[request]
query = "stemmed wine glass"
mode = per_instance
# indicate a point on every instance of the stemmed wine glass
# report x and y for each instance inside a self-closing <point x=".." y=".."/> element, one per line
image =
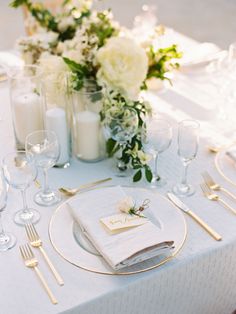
<point x="122" y="127"/>
<point x="158" y="139"/>
<point x="44" y="147"/>
<point x="188" y="138"/>
<point x="20" y="171"/>
<point x="7" y="240"/>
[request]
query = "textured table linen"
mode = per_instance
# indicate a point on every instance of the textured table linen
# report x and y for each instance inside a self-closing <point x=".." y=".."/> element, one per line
<point x="201" y="279"/>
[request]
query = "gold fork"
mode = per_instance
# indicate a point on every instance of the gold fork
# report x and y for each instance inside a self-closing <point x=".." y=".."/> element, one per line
<point x="31" y="262"/>
<point x="35" y="241"/>
<point x="215" y="186"/>
<point x="215" y="197"/>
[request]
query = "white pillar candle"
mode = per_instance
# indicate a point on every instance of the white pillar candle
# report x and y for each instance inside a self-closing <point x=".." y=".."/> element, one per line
<point x="88" y="132"/>
<point x="27" y="115"/>
<point x="56" y="121"/>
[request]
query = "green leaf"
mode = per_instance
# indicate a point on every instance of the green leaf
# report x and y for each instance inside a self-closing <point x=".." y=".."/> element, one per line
<point x="111" y="147"/>
<point x="75" y="67"/>
<point x="17" y="3"/>
<point x="148" y="174"/>
<point x="138" y="176"/>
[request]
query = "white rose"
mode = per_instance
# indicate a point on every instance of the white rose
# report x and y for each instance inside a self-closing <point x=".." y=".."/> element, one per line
<point x="125" y="204"/>
<point x="123" y="65"/>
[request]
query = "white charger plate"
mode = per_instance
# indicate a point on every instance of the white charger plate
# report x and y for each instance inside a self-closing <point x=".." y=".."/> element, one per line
<point x="197" y="58"/>
<point x="226" y="166"/>
<point x="68" y="241"/>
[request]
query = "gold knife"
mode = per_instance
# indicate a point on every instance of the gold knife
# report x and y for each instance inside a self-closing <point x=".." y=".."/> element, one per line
<point x="174" y="199"/>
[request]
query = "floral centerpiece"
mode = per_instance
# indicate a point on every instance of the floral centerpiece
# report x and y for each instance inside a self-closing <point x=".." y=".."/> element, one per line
<point x="91" y="45"/>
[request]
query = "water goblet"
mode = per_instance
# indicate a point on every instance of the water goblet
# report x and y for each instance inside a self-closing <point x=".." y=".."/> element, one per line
<point x="158" y="140"/>
<point x="188" y="138"/>
<point x="20" y="171"/>
<point x="7" y="240"/>
<point x="121" y="128"/>
<point x="44" y="147"/>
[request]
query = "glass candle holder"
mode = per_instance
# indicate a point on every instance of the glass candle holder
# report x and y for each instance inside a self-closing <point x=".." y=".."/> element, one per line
<point x="25" y="102"/>
<point x="88" y="140"/>
<point x="57" y="114"/>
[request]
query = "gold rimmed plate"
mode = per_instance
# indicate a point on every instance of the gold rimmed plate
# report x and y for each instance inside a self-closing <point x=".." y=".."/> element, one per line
<point x="225" y="166"/>
<point x="68" y="240"/>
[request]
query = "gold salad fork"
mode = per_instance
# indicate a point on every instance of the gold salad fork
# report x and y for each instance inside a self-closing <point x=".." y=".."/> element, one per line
<point x="215" y="186"/>
<point x="35" y="241"/>
<point x="31" y="262"/>
<point x="215" y="197"/>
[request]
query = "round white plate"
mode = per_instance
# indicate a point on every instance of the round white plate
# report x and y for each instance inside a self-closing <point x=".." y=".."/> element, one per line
<point x="67" y="240"/>
<point x="225" y="166"/>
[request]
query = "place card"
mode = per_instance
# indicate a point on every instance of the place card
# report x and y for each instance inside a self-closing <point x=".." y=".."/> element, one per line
<point x="121" y="222"/>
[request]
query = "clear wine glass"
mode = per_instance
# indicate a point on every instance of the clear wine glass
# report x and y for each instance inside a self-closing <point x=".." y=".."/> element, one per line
<point x="7" y="240"/>
<point x="159" y="137"/>
<point x="20" y="171"/>
<point x="188" y="138"/>
<point x="122" y="127"/>
<point x="44" y="146"/>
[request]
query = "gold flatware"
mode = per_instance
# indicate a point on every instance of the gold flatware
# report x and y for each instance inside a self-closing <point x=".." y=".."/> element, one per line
<point x="215" y="197"/>
<point x="215" y="186"/>
<point x="37" y="183"/>
<point x="175" y="200"/>
<point x="31" y="262"/>
<point x="36" y="242"/>
<point x="214" y="149"/>
<point x="71" y="192"/>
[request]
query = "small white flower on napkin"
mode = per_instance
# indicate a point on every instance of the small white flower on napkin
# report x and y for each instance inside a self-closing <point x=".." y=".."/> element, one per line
<point x="125" y="204"/>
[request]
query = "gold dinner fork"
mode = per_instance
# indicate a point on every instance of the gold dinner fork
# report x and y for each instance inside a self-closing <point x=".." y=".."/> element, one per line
<point x="35" y="241"/>
<point x="215" y="197"/>
<point x="215" y="186"/>
<point x="31" y="262"/>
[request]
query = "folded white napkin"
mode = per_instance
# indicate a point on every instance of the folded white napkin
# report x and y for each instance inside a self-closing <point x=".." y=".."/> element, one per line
<point x="121" y="249"/>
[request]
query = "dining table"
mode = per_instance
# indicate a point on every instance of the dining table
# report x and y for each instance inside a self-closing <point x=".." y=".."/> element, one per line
<point x="200" y="279"/>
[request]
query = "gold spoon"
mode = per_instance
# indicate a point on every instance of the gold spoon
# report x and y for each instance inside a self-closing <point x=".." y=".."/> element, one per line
<point x="71" y="192"/>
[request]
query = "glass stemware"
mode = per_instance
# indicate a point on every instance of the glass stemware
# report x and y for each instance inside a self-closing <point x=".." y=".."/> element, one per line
<point x="188" y="138"/>
<point x="20" y="171"/>
<point x="7" y="240"/>
<point x="44" y="146"/>
<point x="122" y="127"/>
<point x="159" y="137"/>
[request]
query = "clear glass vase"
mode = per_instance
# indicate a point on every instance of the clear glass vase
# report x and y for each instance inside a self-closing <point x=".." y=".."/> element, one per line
<point x="57" y="114"/>
<point x="88" y="141"/>
<point x="25" y="102"/>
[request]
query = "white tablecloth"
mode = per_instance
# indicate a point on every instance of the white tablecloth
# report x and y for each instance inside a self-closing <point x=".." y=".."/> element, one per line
<point x="201" y="279"/>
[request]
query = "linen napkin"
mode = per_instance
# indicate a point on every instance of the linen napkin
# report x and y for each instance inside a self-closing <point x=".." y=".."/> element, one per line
<point x="121" y="249"/>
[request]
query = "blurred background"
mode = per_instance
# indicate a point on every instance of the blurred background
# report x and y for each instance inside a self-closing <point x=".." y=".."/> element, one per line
<point x="204" y="20"/>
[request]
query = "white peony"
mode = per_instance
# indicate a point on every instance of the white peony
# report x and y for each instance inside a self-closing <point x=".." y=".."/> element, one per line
<point x="126" y="204"/>
<point x="123" y="65"/>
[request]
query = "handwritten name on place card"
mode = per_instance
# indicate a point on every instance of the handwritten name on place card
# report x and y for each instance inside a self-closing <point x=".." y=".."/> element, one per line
<point x="122" y="221"/>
